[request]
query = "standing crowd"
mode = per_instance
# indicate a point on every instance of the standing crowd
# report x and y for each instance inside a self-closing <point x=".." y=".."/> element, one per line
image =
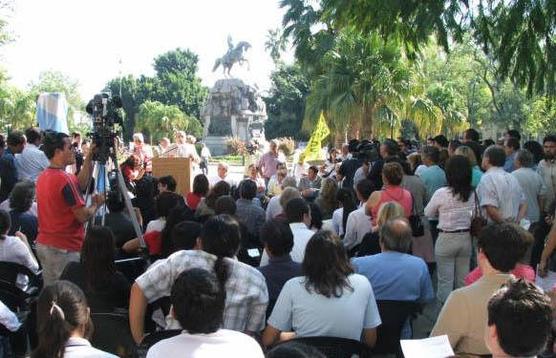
<point x="347" y="248"/>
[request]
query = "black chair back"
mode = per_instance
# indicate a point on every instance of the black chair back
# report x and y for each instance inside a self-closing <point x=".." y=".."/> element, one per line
<point x="335" y="347"/>
<point x="393" y="315"/>
<point x="11" y="295"/>
<point x="132" y="267"/>
<point x="112" y="334"/>
<point x="153" y="338"/>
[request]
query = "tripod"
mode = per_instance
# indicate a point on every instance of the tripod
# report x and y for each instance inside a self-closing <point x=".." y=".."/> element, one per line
<point x="104" y="185"/>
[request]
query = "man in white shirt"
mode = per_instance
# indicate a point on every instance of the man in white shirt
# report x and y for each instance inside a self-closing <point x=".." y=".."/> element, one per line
<point x="198" y="303"/>
<point x="274" y="207"/>
<point x="499" y="192"/>
<point x="299" y="217"/>
<point x="359" y="221"/>
<point x="222" y="175"/>
<point x="32" y="161"/>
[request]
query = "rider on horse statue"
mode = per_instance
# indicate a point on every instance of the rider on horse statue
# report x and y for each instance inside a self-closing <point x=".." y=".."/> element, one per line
<point x="233" y="56"/>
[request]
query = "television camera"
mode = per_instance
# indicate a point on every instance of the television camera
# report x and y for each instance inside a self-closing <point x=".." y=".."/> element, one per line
<point x="105" y="111"/>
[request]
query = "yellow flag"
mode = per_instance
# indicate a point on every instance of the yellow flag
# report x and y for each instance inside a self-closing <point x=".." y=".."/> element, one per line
<point x="312" y="152"/>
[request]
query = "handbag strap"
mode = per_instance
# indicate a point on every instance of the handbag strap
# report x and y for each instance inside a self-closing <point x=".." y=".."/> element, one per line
<point x="478" y="212"/>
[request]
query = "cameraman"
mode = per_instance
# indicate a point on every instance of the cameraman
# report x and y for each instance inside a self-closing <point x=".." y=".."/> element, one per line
<point x="61" y="207"/>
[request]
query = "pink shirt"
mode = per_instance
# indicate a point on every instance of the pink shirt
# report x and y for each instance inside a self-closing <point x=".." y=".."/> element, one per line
<point x="523" y="271"/>
<point x="268" y="163"/>
<point x="396" y="194"/>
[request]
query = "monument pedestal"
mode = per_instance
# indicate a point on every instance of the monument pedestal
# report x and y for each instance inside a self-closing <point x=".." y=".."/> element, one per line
<point x="217" y="145"/>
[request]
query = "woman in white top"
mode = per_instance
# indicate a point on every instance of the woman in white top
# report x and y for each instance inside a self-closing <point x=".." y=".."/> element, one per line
<point x="16" y="249"/>
<point x="454" y="206"/>
<point x="64" y="324"/>
<point x="330" y="300"/>
<point x="346" y="200"/>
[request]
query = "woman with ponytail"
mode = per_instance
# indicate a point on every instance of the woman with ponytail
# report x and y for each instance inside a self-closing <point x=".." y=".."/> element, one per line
<point x="245" y="287"/>
<point x="64" y="324"/>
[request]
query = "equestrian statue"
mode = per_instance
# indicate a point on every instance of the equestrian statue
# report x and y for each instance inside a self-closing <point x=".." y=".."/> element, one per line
<point x="233" y="56"/>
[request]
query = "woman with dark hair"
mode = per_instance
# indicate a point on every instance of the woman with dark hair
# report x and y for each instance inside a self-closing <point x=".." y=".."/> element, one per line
<point x="392" y="176"/>
<point x="64" y="323"/>
<point x="96" y="274"/>
<point x="131" y="169"/>
<point x="454" y="206"/>
<point x="536" y="149"/>
<point x="21" y="200"/>
<point x="185" y="235"/>
<point x="329" y="300"/>
<point x="246" y="292"/>
<point x="347" y="204"/>
<point x="316" y="217"/>
<point x="205" y="209"/>
<point x="165" y="203"/>
<point x="177" y="215"/>
<point x="200" y="190"/>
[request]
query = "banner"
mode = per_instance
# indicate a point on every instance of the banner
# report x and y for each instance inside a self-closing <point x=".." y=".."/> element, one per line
<point x="313" y="150"/>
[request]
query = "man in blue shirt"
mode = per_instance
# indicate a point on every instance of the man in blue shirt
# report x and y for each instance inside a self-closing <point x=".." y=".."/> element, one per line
<point x="394" y="274"/>
<point x="8" y="170"/>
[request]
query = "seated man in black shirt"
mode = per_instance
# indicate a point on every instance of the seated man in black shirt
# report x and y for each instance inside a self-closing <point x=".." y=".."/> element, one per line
<point x="278" y="243"/>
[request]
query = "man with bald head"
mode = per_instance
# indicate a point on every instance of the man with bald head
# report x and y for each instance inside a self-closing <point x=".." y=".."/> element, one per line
<point x="394" y="274"/>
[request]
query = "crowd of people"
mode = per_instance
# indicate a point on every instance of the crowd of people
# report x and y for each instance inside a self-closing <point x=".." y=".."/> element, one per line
<point x="244" y="267"/>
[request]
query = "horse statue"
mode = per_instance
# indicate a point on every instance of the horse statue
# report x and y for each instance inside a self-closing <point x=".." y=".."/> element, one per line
<point x="233" y="56"/>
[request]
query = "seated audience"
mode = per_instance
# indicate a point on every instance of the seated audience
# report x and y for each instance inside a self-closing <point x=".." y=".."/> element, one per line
<point x="310" y="185"/>
<point x="370" y="245"/>
<point x="275" y="184"/>
<point x="21" y="199"/>
<point x="248" y="211"/>
<point x="293" y="349"/>
<point x="329" y="300"/>
<point x="359" y="221"/>
<point x="132" y="170"/>
<point x="205" y="209"/>
<point x="519" y="320"/>
<point x="253" y="174"/>
<point x="200" y="190"/>
<point x="277" y="238"/>
<point x="246" y="292"/>
<point x="394" y="274"/>
<point x="64" y="323"/>
<point x="464" y="315"/>
<point x="8" y="168"/>
<point x="165" y="202"/>
<point x="145" y="192"/>
<point x="316" y="217"/>
<point x="326" y="199"/>
<point x="346" y="201"/>
<point x="299" y="218"/>
<point x="222" y="171"/>
<point x="119" y="222"/>
<point x="176" y="216"/>
<point x="198" y="304"/>
<point x="273" y="207"/>
<point x="16" y="249"/>
<point x="96" y="274"/>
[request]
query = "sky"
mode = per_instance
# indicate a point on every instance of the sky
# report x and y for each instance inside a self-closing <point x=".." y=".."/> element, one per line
<point x="94" y="41"/>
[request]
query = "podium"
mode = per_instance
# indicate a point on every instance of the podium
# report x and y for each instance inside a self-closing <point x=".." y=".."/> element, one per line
<point x="179" y="168"/>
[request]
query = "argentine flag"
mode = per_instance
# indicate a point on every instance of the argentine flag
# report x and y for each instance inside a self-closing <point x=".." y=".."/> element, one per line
<point x="52" y="112"/>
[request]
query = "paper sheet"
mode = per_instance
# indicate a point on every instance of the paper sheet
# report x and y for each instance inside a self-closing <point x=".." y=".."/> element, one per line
<point x="434" y="347"/>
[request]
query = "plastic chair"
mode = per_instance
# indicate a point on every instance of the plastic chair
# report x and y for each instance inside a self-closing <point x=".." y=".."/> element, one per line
<point x="393" y="315"/>
<point x="153" y="338"/>
<point x="335" y="347"/>
<point x="112" y="334"/>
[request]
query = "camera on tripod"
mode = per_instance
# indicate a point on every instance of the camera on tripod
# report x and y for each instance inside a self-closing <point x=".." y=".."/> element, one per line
<point x="105" y="112"/>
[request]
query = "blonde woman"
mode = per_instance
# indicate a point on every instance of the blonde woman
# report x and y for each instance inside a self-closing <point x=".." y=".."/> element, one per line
<point x="326" y="200"/>
<point x="476" y="172"/>
<point x="370" y="244"/>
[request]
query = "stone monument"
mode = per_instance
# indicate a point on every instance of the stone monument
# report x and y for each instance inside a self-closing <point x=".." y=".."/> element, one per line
<point x="233" y="108"/>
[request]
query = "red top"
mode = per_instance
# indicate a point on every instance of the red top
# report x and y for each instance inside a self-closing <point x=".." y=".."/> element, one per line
<point x="523" y="271"/>
<point x="153" y="240"/>
<point x="396" y="194"/>
<point x="193" y="200"/>
<point x="58" y="194"/>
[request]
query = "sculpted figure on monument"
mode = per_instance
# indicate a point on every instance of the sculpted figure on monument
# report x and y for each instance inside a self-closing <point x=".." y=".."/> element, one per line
<point x="234" y="55"/>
